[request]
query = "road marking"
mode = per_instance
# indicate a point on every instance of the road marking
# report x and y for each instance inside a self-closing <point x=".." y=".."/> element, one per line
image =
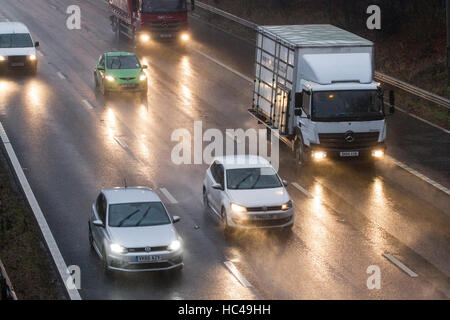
<point x="421" y="119"/>
<point x="45" y="229"/>
<point x="223" y="65"/>
<point x="399" y="264"/>
<point x="419" y="175"/>
<point x="235" y="272"/>
<point x="63" y="77"/>
<point x="121" y="142"/>
<point x="306" y="192"/>
<point x="167" y="194"/>
<point x="88" y="104"/>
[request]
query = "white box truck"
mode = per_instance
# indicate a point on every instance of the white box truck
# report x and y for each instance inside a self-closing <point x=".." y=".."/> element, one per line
<point x="314" y="85"/>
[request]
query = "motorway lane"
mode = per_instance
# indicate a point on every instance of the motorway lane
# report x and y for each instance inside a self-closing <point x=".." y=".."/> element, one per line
<point x="335" y="238"/>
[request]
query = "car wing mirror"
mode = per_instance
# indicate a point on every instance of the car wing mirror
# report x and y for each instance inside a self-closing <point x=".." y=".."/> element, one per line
<point x="285" y="183"/>
<point x="100" y="68"/>
<point x="176" y="219"/>
<point x="98" y="223"/>
<point x="36" y="44"/>
<point x="217" y="186"/>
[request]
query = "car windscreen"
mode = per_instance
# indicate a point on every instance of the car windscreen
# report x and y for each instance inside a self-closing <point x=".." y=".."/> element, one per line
<point x="163" y="5"/>
<point x="252" y="178"/>
<point x="122" y="62"/>
<point x="347" y="105"/>
<point x="142" y="214"/>
<point x="16" y="40"/>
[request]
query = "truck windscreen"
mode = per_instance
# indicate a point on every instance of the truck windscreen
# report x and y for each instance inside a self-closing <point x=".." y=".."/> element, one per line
<point x="149" y="6"/>
<point x="351" y="105"/>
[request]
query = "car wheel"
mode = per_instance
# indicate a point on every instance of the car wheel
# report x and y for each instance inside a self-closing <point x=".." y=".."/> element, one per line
<point x="91" y="238"/>
<point x="205" y="200"/>
<point x="106" y="269"/>
<point x="227" y="229"/>
<point x="96" y="81"/>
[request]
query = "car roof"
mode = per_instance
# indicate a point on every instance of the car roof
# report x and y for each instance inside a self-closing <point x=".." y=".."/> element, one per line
<point x="119" y="53"/>
<point x="243" y="161"/>
<point x="13" y="27"/>
<point x="130" y="195"/>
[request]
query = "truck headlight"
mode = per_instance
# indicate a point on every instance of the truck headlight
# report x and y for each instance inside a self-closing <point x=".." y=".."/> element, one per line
<point x="117" y="248"/>
<point x="143" y="77"/>
<point x="185" y="36"/>
<point x="287" y="205"/>
<point x="174" y="245"/>
<point x="144" y="37"/>
<point x="319" y="155"/>
<point x="378" y="153"/>
<point x="110" y="78"/>
<point x="2" y="58"/>
<point x="32" y="57"/>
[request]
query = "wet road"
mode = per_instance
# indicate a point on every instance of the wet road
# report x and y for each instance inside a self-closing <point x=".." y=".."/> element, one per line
<point x="72" y="143"/>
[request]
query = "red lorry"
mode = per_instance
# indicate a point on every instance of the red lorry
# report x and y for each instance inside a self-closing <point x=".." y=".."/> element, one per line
<point x="150" y="20"/>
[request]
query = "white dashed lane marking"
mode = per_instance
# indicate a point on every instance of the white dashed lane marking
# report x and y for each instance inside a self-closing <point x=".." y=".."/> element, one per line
<point x="235" y="272"/>
<point x="122" y="143"/>
<point x="168" y="195"/>
<point x="88" y="104"/>
<point x="399" y="264"/>
<point x="61" y="76"/>
<point x="303" y="190"/>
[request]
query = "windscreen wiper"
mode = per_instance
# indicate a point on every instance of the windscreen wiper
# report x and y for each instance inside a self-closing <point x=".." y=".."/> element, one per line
<point x="246" y="177"/>
<point x="127" y="217"/>
<point x="144" y="215"/>
<point x="257" y="179"/>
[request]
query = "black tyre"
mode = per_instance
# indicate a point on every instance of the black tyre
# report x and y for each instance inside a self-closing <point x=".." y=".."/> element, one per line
<point x="91" y="238"/>
<point x="97" y="85"/>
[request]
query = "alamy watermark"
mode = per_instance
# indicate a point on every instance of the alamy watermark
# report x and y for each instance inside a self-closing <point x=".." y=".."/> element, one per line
<point x="374" y="280"/>
<point x="374" y="20"/>
<point x="73" y="22"/>
<point x="190" y="149"/>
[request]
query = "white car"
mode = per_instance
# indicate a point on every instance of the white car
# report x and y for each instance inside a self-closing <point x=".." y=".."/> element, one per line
<point x="17" y="49"/>
<point x="246" y="192"/>
<point x="130" y="230"/>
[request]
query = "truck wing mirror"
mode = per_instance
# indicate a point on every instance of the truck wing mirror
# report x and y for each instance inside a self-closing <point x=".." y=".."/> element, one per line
<point x="36" y="44"/>
<point x="144" y="66"/>
<point x="192" y="5"/>
<point x="100" y="68"/>
<point x="391" y="102"/>
<point x="298" y="99"/>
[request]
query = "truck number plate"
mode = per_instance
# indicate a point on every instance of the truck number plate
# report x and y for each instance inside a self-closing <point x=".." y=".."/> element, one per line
<point x="168" y="35"/>
<point x="349" y="154"/>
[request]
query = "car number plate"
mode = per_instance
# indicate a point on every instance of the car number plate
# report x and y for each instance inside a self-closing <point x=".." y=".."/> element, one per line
<point x="148" y="258"/>
<point x="266" y="216"/>
<point x="17" y="64"/>
<point x="167" y="35"/>
<point x="128" y="85"/>
<point x="349" y="154"/>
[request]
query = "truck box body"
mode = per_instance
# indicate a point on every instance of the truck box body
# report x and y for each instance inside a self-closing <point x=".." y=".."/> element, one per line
<point x="319" y="53"/>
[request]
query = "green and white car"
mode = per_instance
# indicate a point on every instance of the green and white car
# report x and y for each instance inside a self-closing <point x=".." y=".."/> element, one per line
<point x="120" y="72"/>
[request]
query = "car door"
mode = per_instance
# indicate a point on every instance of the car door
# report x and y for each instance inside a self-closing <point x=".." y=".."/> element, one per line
<point x="216" y="194"/>
<point x="100" y="73"/>
<point x="98" y="233"/>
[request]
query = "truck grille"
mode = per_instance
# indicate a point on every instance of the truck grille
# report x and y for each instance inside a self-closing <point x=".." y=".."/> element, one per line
<point x="342" y="140"/>
<point x="17" y="59"/>
<point x="165" y="27"/>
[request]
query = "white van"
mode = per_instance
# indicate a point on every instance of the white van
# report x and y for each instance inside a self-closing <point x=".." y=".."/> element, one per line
<point x="17" y="49"/>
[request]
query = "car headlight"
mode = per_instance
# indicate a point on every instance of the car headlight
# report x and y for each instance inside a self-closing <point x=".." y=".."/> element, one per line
<point x="185" y="36"/>
<point x="175" y="245"/>
<point x="143" y="77"/>
<point x="378" y="153"/>
<point x="117" y="248"/>
<point x="237" y="208"/>
<point x="32" y="57"/>
<point x="2" y="58"/>
<point x="110" y="78"/>
<point x="144" y="37"/>
<point x="287" y="205"/>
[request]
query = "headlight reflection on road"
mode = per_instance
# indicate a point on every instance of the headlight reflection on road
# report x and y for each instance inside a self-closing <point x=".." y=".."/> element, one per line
<point x="110" y="123"/>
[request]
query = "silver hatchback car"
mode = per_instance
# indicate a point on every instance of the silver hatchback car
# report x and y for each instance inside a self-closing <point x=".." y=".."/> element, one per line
<point x="131" y="231"/>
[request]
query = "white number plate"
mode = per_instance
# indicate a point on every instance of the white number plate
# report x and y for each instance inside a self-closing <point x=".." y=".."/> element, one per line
<point x="148" y="258"/>
<point x="165" y="35"/>
<point x="17" y="64"/>
<point x="349" y="154"/>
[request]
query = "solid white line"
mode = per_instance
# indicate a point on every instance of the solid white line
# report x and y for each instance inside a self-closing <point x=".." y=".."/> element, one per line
<point x="45" y="229"/>
<point x="122" y="143"/>
<point x="232" y="268"/>
<point x="399" y="264"/>
<point x="306" y="192"/>
<point x="88" y="104"/>
<point x="223" y="65"/>
<point x="61" y="75"/>
<point x="419" y="175"/>
<point x="168" y="195"/>
<point x="421" y="119"/>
